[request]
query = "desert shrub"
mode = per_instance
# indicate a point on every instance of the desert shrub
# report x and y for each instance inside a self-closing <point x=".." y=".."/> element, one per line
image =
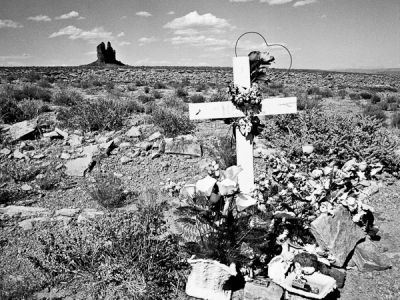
<point x="9" y="196"/>
<point x="200" y="87"/>
<point x="365" y="95"/>
<point x="31" y="92"/>
<point x="140" y="82"/>
<point x="219" y="96"/>
<point x="276" y="85"/>
<point x="325" y="93"/>
<point x="33" y="76"/>
<point x="149" y="107"/>
<point x="67" y="97"/>
<point x="85" y="84"/>
<point x="197" y="99"/>
<point x="342" y="93"/>
<point x="146" y="89"/>
<point x="157" y="95"/>
<point x="313" y="90"/>
<point x="375" y="99"/>
<point x="109" y="85"/>
<point x="108" y="191"/>
<point x="118" y="256"/>
<point x="305" y="103"/>
<point x="145" y="98"/>
<point x="181" y="93"/>
<point x="31" y="108"/>
<point x="97" y="82"/>
<point x="10" y="112"/>
<point x="354" y="96"/>
<point x="159" y="85"/>
<point x="383" y="105"/>
<point x="10" y="78"/>
<point x="134" y="106"/>
<point x="393" y="106"/>
<point x="131" y="87"/>
<point x="376" y="111"/>
<point x="395" y="121"/>
<point x="44" y="83"/>
<point x="21" y="173"/>
<point x="49" y="181"/>
<point x="177" y="103"/>
<point x="102" y="114"/>
<point x="393" y="99"/>
<point x="336" y="138"/>
<point x="172" y="121"/>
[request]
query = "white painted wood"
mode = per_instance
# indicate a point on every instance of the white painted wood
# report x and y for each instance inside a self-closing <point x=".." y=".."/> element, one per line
<point x="226" y="109"/>
<point x="241" y="71"/>
<point x="221" y="110"/>
<point x="244" y="156"/>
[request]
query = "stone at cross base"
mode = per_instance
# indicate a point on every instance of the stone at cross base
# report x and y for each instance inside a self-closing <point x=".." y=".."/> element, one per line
<point x="106" y="55"/>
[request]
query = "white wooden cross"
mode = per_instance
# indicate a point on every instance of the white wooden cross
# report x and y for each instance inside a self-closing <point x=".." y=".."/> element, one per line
<point x="221" y="110"/>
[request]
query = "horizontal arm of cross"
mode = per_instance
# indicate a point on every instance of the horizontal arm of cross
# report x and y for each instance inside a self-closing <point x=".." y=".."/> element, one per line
<point x="226" y="109"/>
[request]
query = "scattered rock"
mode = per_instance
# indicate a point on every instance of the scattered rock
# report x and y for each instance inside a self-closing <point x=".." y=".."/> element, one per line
<point x="22" y="130"/>
<point x="134" y="132"/>
<point x="337" y="233"/>
<point x="67" y="212"/>
<point x="65" y="155"/>
<point x="75" y="140"/>
<point x="155" y="136"/>
<point x="88" y="214"/>
<point x="23" y="211"/>
<point x="155" y="155"/>
<point x="18" y="155"/>
<point x="184" y="144"/>
<point x="61" y="133"/>
<point x="26" y="187"/>
<point x="5" y="151"/>
<point x="124" y="160"/>
<point x="209" y="280"/>
<point x="367" y="257"/>
<point x="146" y="146"/>
<point x="124" y="145"/>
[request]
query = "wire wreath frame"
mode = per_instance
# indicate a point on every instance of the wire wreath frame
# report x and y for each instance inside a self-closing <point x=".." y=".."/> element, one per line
<point x="268" y="45"/>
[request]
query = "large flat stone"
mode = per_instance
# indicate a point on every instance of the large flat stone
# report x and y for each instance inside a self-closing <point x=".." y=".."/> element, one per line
<point x="134" y="131"/>
<point x="338" y="234"/>
<point x="22" y="130"/>
<point x="78" y="166"/>
<point x="262" y="290"/>
<point x="23" y="211"/>
<point x="367" y="257"/>
<point x="184" y="144"/>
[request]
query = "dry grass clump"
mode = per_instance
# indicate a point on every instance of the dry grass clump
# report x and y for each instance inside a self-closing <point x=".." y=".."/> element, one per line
<point x="102" y="114"/>
<point x="108" y="191"/>
<point x="172" y="120"/>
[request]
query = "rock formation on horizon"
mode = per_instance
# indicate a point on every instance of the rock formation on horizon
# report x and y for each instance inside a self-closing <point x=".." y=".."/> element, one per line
<point x="106" y="55"/>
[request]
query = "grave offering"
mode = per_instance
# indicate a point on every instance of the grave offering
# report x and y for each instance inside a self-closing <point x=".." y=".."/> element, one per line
<point x="295" y="228"/>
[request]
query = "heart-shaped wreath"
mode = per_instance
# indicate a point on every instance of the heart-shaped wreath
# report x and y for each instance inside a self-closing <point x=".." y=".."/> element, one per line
<point x="249" y="100"/>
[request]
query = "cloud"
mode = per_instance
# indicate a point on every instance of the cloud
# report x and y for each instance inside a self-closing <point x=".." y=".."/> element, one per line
<point x="70" y="15"/>
<point x="324" y="16"/>
<point x="171" y="12"/>
<point x="124" y="43"/>
<point x="40" y="18"/>
<point x="123" y="17"/>
<point x="146" y="40"/>
<point x="276" y="2"/>
<point x="9" y="24"/>
<point x="199" y="41"/>
<point x="149" y="62"/>
<point x="304" y="2"/>
<point x="75" y="33"/>
<point x="193" y="19"/>
<point x="17" y="57"/>
<point x="143" y="14"/>
<point x="121" y="34"/>
<point x="240" y="0"/>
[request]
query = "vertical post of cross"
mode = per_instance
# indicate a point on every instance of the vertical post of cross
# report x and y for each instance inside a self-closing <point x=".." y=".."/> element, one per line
<point x="244" y="147"/>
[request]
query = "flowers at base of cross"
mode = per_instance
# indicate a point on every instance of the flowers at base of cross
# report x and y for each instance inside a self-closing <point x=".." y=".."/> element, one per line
<point x="172" y="188"/>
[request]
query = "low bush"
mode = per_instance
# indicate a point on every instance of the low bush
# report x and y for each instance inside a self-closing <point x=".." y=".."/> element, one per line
<point x="219" y="96"/>
<point x="118" y="256"/>
<point x="101" y="114"/>
<point x="10" y="112"/>
<point x="140" y="82"/>
<point x="32" y="108"/>
<point x="44" y="83"/>
<point x="395" y="121"/>
<point x="365" y="95"/>
<point x="375" y="99"/>
<point x="157" y="95"/>
<point x="197" y="99"/>
<point x="31" y="92"/>
<point x="67" y="97"/>
<point x="200" y="87"/>
<point x="22" y="173"/>
<point x="342" y="93"/>
<point x="376" y="111"/>
<point x="304" y="102"/>
<point x="172" y="121"/>
<point x="33" y="76"/>
<point x="146" y="89"/>
<point x="393" y="99"/>
<point x="49" y="181"/>
<point x="108" y="191"/>
<point x="134" y="106"/>
<point x="354" y="96"/>
<point x="181" y="93"/>
<point x="159" y="85"/>
<point x="177" y="103"/>
<point x="145" y="98"/>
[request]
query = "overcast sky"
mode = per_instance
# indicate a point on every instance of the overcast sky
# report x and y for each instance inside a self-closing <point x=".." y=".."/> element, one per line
<point x="326" y="34"/>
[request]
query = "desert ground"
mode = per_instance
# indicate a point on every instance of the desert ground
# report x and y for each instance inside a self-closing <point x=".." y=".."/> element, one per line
<point x="91" y="182"/>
